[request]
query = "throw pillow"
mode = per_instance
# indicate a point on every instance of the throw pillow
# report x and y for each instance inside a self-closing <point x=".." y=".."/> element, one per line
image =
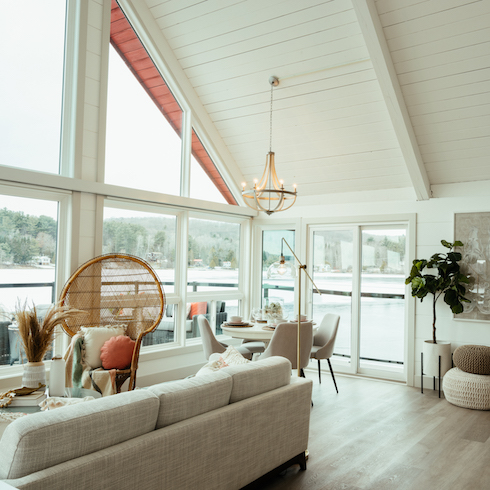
<point x="94" y="338"/>
<point x="198" y="309"/>
<point x="117" y="352"/>
<point x="230" y="357"/>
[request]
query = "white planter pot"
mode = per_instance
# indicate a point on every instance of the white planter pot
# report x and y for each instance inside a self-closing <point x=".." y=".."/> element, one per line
<point x="432" y="352"/>
<point x="34" y="373"/>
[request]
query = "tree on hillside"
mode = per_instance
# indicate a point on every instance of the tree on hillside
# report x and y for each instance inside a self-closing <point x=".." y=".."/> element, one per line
<point x="23" y="249"/>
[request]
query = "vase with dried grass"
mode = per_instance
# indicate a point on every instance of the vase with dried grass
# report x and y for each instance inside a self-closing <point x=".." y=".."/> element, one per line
<point x="37" y="337"/>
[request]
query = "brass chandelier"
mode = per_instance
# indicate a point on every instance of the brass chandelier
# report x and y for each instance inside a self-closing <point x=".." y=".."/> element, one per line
<point x="268" y="194"/>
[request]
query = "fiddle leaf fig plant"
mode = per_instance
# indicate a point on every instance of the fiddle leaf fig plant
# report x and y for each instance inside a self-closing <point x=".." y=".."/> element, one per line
<point x="445" y="279"/>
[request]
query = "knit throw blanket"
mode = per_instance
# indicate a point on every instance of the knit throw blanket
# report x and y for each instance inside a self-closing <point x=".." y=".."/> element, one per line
<point x="79" y="375"/>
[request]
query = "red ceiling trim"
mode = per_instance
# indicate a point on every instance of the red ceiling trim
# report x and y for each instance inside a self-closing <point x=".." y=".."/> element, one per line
<point x="127" y="44"/>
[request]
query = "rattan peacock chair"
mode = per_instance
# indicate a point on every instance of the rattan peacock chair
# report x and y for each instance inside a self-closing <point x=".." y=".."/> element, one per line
<point x="115" y="289"/>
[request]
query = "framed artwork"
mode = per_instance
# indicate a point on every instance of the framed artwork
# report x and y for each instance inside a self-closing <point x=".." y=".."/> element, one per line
<point x="473" y="229"/>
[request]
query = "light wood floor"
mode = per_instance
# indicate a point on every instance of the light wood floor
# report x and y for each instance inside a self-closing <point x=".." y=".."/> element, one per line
<point x="379" y="435"/>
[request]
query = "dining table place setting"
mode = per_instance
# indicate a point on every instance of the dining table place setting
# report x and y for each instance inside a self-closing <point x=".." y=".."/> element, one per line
<point x="237" y="321"/>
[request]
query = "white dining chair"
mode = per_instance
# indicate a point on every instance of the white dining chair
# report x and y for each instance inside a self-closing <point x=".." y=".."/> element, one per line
<point x="211" y="345"/>
<point x="284" y="343"/>
<point x="324" y="341"/>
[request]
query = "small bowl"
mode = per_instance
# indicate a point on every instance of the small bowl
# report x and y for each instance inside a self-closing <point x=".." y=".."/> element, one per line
<point x="302" y="318"/>
<point x="235" y="319"/>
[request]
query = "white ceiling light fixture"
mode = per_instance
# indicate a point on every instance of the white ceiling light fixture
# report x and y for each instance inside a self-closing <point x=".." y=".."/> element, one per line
<point x="269" y="194"/>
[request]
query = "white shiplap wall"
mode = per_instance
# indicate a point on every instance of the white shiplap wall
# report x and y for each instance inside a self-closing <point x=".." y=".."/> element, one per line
<point x="435" y="221"/>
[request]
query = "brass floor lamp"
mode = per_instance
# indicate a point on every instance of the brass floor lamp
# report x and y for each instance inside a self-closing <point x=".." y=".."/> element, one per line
<point x="282" y="262"/>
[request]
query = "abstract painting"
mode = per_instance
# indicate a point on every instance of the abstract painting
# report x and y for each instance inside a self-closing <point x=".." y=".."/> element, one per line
<point x="473" y="229"/>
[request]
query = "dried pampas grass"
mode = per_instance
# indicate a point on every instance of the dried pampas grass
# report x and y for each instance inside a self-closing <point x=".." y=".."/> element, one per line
<point x="37" y="337"/>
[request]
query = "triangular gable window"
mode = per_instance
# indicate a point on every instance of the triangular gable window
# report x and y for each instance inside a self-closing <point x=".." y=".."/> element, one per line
<point x="126" y="156"/>
<point x="202" y="167"/>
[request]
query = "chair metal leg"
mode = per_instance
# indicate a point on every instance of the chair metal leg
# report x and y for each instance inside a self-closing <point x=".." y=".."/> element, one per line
<point x="319" y="372"/>
<point x="333" y="377"/>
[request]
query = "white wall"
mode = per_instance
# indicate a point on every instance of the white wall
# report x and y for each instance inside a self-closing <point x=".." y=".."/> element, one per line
<point x="435" y="222"/>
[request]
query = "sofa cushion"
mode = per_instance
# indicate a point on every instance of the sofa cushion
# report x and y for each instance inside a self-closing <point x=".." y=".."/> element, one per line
<point x="45" y="439"/>
<point x="258" y="377"/>
<point x="180" y="400"/>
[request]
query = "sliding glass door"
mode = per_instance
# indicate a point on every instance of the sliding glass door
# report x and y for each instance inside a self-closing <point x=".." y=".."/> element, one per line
<point x="360" y="271"/>
<point x="382" y="311"/>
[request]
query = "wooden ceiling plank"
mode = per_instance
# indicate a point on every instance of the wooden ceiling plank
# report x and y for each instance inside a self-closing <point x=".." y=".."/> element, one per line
<point x="383" y="65"/>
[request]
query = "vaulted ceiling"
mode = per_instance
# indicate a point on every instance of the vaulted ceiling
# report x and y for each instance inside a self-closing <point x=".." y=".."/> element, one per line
<point x="372" y="95"/>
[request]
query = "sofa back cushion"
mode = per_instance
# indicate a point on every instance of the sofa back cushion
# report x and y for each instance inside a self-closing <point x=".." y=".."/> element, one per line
<point x="255" y="378"/>
<point x="180" y="400"/>
<point x="45" y="439"/>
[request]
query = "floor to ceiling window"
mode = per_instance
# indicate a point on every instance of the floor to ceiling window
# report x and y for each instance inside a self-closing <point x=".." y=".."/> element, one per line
<point x="360" y="271"/>
<point x="28" y="263"/>
<point x="278" y="284"/>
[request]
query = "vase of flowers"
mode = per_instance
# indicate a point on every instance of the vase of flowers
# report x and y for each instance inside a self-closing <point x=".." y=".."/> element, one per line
<point x="273" y="312"/>
<point x="37" y="337"/>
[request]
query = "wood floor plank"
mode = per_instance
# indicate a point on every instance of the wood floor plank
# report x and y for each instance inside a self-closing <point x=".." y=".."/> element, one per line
<point x="379" y="435"/>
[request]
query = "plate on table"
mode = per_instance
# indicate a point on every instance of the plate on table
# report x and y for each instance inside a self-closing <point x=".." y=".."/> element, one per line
<point x="240" y="324"/>
<point x="302" y="321"/>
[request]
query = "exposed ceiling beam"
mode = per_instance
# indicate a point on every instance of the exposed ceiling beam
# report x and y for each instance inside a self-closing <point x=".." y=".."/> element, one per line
<point x="379" y="52"/>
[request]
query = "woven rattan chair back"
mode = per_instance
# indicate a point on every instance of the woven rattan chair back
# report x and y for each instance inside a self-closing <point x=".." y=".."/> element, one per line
<point x="116" y="289"/>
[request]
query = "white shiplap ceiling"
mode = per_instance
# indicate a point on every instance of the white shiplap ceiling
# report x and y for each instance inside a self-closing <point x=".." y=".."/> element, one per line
<point x="341" y="122"/>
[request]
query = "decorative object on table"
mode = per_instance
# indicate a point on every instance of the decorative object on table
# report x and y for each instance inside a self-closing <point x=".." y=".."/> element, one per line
<point x="269" y="195"/>
<point x="473" y="229"/>
<point x="301" y="268"/>
<point x="7" y="397"/>
<point x="237" y="325"/>
<point x="57" y="377"/>
<point x="447" y="281"/>
<point x="273" y="311"/>
<point x="117" y="290"/>
<point x="324" y="341"/>
<point x="37" y="336"/>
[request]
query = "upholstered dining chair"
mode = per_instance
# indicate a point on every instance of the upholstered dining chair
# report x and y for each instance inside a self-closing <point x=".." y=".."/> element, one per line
<point x="323" y="342"/>
<point x="284" y="341"/>
<point x="211" y="345"/>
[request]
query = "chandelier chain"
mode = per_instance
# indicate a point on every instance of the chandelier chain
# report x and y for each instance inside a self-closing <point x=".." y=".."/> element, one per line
<point x="270" y="134"/>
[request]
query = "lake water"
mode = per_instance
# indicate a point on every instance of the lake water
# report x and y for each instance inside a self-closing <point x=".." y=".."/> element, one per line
<point x="382" y="319"/>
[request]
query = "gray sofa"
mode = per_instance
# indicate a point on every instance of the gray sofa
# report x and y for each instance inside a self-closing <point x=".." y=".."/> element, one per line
<point x="216" y="431"/>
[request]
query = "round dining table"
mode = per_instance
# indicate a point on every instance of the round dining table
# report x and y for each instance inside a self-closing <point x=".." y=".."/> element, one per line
<point x="256" y="331"/>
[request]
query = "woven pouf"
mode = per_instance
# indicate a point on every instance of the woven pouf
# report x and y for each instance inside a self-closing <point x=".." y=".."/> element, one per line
<point x="473" y="359"/>
<point x="467" y="390"/>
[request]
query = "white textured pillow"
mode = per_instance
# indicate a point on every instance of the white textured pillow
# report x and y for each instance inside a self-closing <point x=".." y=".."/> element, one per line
<point x="94" y="338"/>
<point x="230" y="357"/>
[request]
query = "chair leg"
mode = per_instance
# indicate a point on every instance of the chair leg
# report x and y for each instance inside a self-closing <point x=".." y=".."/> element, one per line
<point x="333" y="377"/>
<point x="319" y="372"/>
<point x="302" y="373"/>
